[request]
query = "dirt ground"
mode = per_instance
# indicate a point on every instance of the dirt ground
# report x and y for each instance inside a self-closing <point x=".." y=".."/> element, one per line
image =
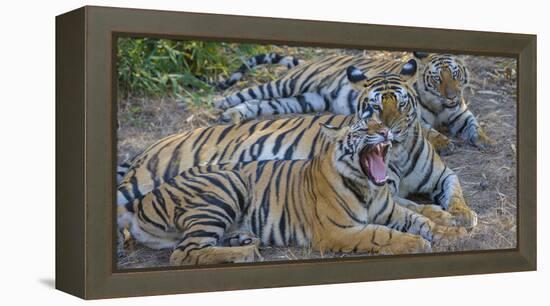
<point x="488" y="178"/>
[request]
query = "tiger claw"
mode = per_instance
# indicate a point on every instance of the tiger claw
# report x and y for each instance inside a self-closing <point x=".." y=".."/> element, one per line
<point x="446" y="236"/>
<point x="482" y="141"/>
<point x="442" y="144"/>
<point x="448" y="150"/>
<point x="464" y="216"/>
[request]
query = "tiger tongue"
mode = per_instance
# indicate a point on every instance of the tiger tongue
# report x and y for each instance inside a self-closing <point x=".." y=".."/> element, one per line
<point x="377" y="167"/>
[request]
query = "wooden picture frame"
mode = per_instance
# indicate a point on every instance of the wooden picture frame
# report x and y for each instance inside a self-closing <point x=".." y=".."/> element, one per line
<point x="86" y="152"/>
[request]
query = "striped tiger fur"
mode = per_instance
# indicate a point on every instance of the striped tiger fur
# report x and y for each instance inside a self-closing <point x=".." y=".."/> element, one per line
<point x="321" y="85"/>
<point x="441" y="87"/>
<point x="121" y="170"/>
<point x="337" y="201"/>
<point x="415" y="167"/>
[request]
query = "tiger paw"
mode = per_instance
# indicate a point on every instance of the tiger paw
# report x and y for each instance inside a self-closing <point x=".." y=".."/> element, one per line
<point x="442" y="144"/>
<point x="240" y="238"/>
<point x="448" y="150"/>
<point x="437" y="215"/>
<point x="129" y="244"/>
<point x="249" y="253"/>
<point x="446" y="236"/>
<point x="482" y="141"/>
<point x="407" y="244"/>
<point x="464" y="216"/>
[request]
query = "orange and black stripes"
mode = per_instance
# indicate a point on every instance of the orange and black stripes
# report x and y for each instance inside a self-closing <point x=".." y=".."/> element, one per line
<point x="321" y="85"/>
<point x="440" y="87"/>
<point x="310" y="87"/>
<point x="291" y="138"/>
<point x="318" y="203"/>
<point x="414" y="166"/>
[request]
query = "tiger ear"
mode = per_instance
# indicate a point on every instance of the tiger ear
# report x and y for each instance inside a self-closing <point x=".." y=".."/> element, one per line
<point x="422" y="56"/>
<point x="333" y="133"/>
<point x="356" y="78"/>
<point x="408" y="71"/>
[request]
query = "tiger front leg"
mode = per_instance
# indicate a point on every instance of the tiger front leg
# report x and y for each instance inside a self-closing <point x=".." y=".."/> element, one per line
<point x="462" y="212"/>
<point x="406" y="220"/>
<point x="376" y="239"/>
<point x="433" y="212"/>
<point x="465" y="125"/>
<point x="449" y="196"/>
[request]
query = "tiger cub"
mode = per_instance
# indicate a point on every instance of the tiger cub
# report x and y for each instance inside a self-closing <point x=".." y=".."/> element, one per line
<point x="414" y="165"/>
<point x="321" y="85"/>
<point x="338" y="201"/>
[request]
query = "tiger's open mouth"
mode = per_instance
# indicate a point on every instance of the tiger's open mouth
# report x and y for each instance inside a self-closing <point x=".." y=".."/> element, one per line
<point x="373" y="162"/>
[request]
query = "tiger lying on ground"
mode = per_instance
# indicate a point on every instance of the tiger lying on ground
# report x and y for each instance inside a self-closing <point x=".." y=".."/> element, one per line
<point x="321" y="85"/>
<point x="338" y="201"/>
<point x="414" y="166"/>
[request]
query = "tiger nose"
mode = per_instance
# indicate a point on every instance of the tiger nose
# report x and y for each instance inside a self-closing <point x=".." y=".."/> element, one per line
<point x="451" y="96"/>
<point x="384" y="132"/>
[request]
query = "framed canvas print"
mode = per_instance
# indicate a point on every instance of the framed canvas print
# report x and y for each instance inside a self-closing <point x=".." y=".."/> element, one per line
<point x="200" y="152"/>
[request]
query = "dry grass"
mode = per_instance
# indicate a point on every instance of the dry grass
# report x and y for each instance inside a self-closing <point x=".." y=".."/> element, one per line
<point x="488" y="178"/>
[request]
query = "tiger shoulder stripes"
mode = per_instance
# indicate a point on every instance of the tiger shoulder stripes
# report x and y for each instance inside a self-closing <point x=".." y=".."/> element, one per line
<point x="321" y="85"/>
<point x="337" y="201"/>
<point x="414" y="165"/>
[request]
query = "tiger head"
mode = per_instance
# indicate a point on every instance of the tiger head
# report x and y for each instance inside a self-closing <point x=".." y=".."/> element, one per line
<point x="442" y="81"/>
<point x="388" y="98"/>
<point x="361" y="150"/>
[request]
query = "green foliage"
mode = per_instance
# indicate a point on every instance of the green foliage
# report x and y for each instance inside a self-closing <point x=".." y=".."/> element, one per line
<point x="154" y="67"/>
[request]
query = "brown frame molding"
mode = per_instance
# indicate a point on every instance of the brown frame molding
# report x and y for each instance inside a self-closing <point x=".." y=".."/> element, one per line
<point x="86" y="144"/>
